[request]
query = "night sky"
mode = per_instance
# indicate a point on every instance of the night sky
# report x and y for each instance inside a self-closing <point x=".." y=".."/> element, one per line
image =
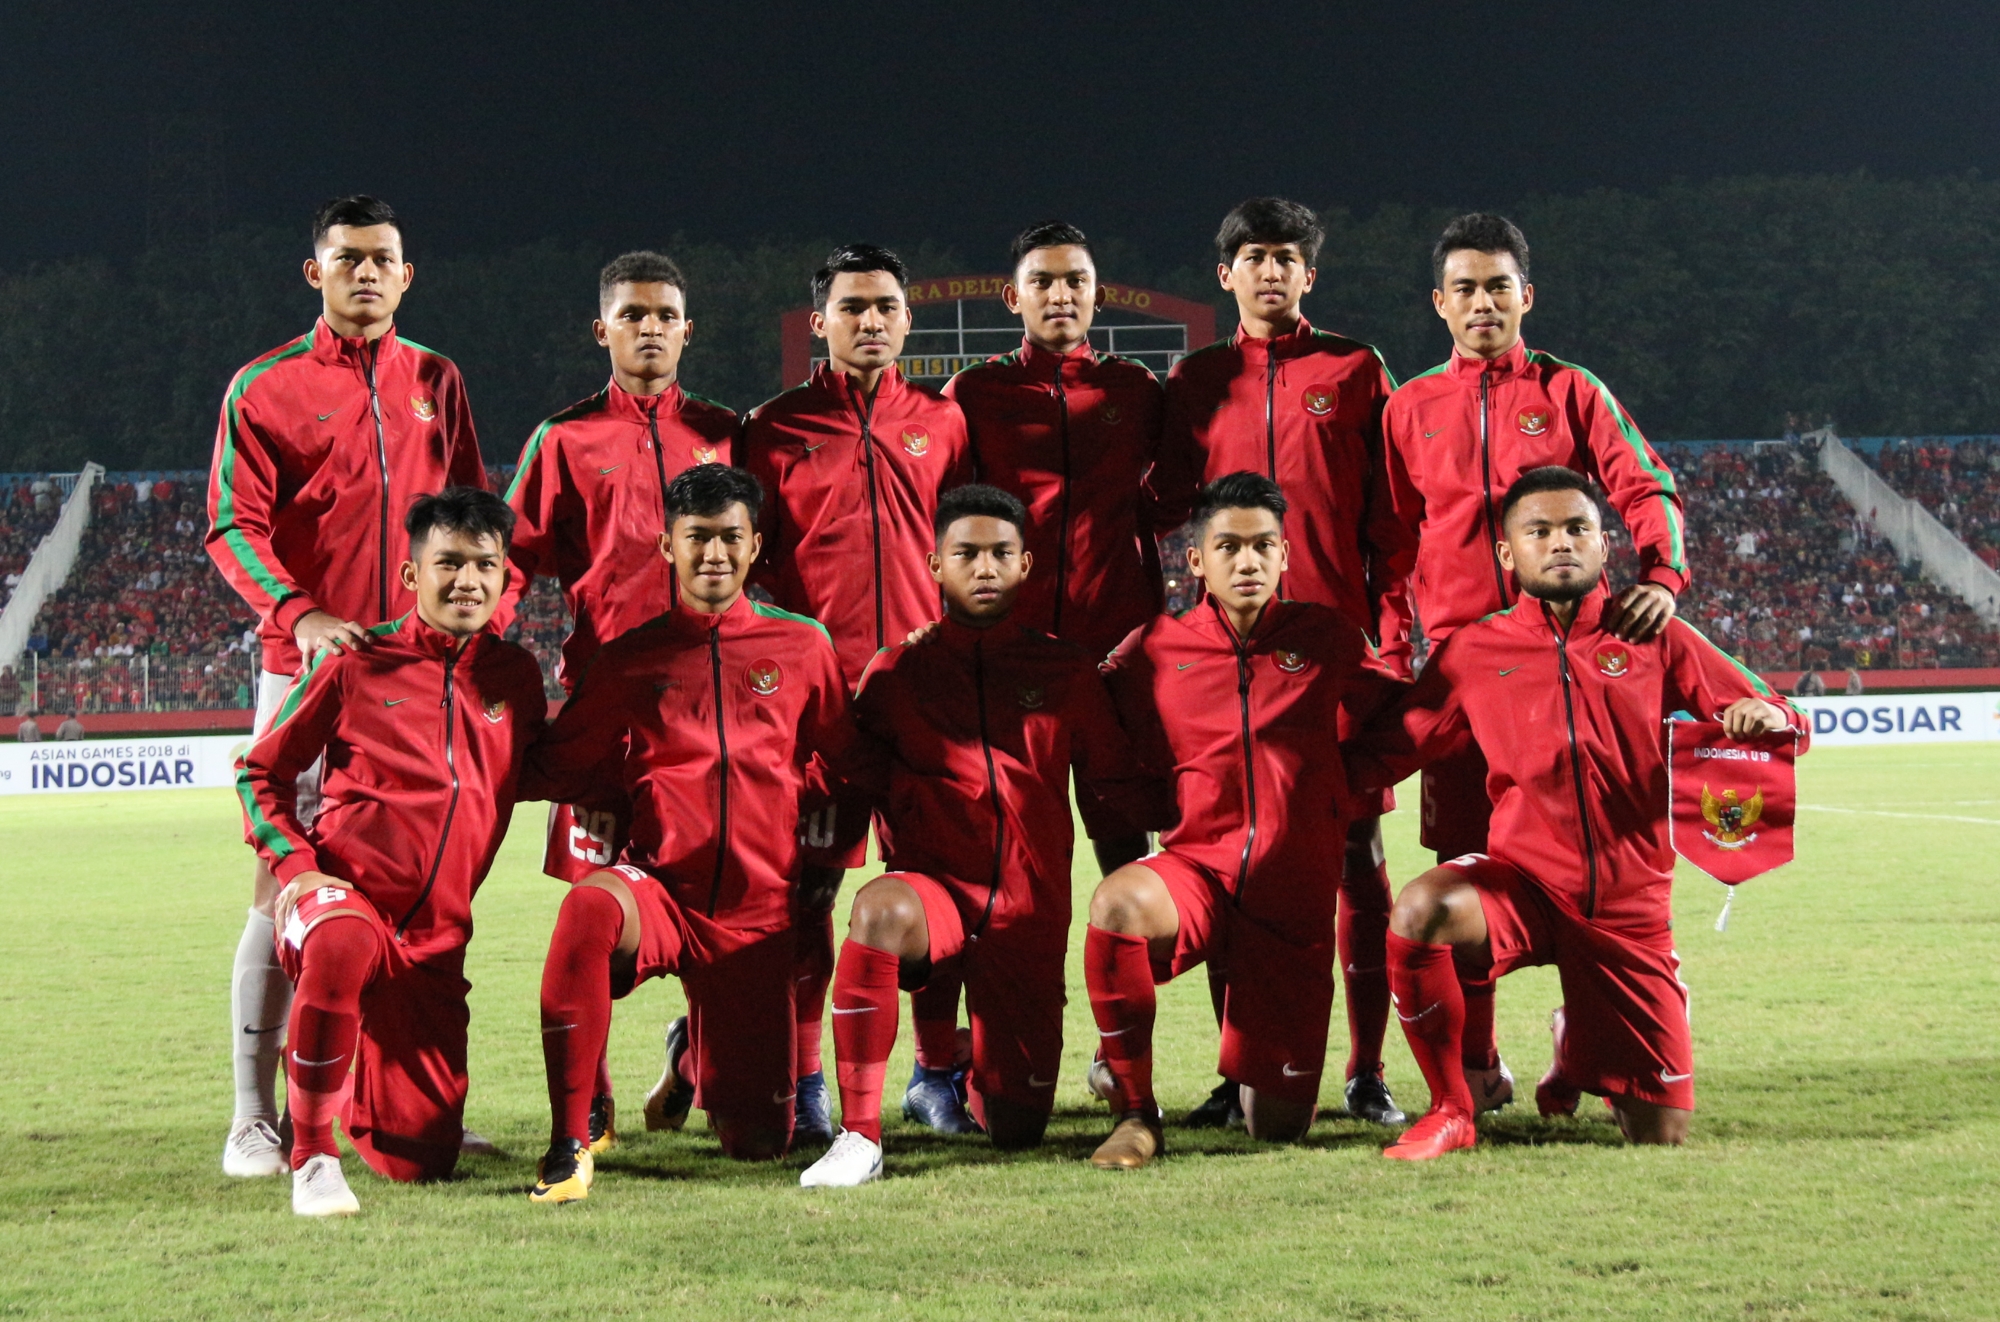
<point x="491" y="124"/>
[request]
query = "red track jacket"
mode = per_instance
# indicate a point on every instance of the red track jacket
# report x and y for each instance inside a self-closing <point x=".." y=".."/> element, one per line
<point x="590" y="494"/>
<point x="423" y="742"/>
<point x="850" y="487"/>
<point x="1458" y="436"/>
<point x="1304" y="409"/>
<point x="322" y="446"/>
<point x="966" y="746"/>
<point x="1073" y="436"/>
<point x="726" y="715"/>
<point x="1572" y="727"/>
<point x="1244" y="728"/>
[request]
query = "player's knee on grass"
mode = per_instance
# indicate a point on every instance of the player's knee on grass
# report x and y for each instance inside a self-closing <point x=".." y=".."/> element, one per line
<point x="887" y="915"/>
<point x="1439" y="908"/>
<point x="1013" y="1127"/>
<point x="1133" y="901"/>
<point x="748" y="1141"/>
<point x="1276" y="1119"/>
<point x="1649" y="1122"/>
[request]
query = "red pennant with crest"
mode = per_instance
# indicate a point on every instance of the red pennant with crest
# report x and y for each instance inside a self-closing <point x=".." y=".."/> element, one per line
<point x="1734" y="801"/>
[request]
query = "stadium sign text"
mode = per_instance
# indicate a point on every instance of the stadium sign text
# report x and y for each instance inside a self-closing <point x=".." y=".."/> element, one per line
<point x="198" y="762"/>
<point x="1902" y="718"/>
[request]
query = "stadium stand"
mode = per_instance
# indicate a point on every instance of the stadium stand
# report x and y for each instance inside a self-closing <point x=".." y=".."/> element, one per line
<point x="26" y="516"/>
<point x="1956" y="478"/>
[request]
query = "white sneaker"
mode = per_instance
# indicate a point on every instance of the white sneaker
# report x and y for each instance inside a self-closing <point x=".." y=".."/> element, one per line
<point x="1491" y="1089"/>
<point x="476" y="1145"/>
<point x="319" y="1189"/>
<point x="1102" y="1085"/>
<point x="253" y="1150"/>
<point x="853" y="1159"/>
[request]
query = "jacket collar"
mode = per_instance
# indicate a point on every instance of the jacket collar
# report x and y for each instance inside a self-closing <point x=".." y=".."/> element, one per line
<point x="1210" y="618"/>
<point x="1042" y="362"/>
<point x="1468" y="369"/>
<point x="1291" y="342"/>
<point x="960" y="639"/>
<point x="843" y="387"/>
<point x="417" y="635"/>
<point x="694" y="626"/>
<point x="622" y="404"/>
<point x="1533" y="615"/>
<point x="353" y="351"/>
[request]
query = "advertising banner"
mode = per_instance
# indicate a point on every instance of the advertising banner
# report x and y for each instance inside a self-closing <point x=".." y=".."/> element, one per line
<point x="93" y="765"/>
<point x="1902" y="718"/>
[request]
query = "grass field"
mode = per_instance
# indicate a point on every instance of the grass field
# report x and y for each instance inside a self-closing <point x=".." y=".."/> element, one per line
<point x="1845" y="1160"/>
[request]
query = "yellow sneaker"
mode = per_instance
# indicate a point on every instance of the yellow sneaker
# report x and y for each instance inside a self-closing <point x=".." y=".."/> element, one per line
<point x="1137" y="1139"/>
<point x="603" y="1124"/>
<point x="563" y="1174"/>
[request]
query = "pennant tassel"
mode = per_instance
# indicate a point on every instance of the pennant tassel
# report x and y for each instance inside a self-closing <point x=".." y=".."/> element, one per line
<point x="1728" y="898"/>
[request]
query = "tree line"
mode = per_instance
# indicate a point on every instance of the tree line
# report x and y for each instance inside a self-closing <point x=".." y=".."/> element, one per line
<point x="1713" y="309"/>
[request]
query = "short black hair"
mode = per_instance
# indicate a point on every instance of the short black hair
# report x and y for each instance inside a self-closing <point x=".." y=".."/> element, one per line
<point x="977" y="500"/>
<point x="856" y="258"/>
<point x="1549" y="477"/>
<point x="706" y="490"/>
<point x="1048" y="234"/>
<point x="1270" y="220"/>
<point x="1237" y="491"/>
<point x="357" y="210"/>
<point x="643" y="267"/>
<point x="1480" y="231"/>
<point x="472" y="511"/>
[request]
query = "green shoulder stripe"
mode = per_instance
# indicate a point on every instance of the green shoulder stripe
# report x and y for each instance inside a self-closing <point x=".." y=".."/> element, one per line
<point x="704" y="399"/>
<point x="1757" y="684"/>
<point x="261" y="826"/>
<point x="1129" y="362"/>
<point x="771" y="612"/>
<point x="1434" y="371"/>
<point x="225" y="495"/>
<point x="582" y="408"/>
<point x="422" y="348"/>
<point x="1650" y="463"/>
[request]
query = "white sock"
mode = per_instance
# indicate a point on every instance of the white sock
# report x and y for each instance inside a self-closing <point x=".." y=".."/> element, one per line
<point x="260" y="998"/>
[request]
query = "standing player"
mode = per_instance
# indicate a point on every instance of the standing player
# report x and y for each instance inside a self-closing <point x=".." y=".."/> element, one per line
<point x="376" y="908"/>
<point x="1304" y="408"/>
<point x="967" y="740"/>
<point x="1237" y="699"/>
<point x="852" y="462"/>
<point x="591" y="496"/>
<point x="722" y="705"/>
<point x="1579" y="872"/>
<point x="322" y="442"/>
<point x="1458" y="436"/>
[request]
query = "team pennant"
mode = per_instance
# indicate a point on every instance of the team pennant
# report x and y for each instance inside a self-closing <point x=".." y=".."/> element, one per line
<point x="1734" y="801"/>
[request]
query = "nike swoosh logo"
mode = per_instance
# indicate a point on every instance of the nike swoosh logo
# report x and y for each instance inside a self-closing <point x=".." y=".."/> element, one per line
<point x="324" y="416"/>
<point x="1508" y="671"/>
<point x="1674" y="1078"/>
<point x="1120" y="1032"/>
<point x="1412" y="1018"/>
<point x="614" y="468"/>
<point x="390" y="702"/>
<point x="255" y="1031"/>
<point x="1290" y="1073"/>
<point x="314" y="1064"/>
<point x="859" y="1009"/>
<point x="811" y="448"/>
<point x="1429" y="434"/>
<point x="1191" y="663"/>
<point x="1034" y="1082"/>
<point x="780" y="1098"/>
<point x="559" y="1028"/>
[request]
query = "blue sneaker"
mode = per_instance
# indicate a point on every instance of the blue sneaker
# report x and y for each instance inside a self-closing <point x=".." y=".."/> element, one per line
<point x="933" y="1100"/>
<point x="812" y="1112"/>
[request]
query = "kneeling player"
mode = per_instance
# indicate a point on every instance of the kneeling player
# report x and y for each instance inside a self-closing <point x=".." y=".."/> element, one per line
<point x="967" y="740"/>
<point x="377" y="906"/>
<point x="1240" y="698"/>
<point x="1579" y="869"/>
<point x="721" y="706"/>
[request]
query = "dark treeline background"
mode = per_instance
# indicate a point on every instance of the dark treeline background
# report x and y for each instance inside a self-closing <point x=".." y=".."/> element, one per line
<point x="1713" y="309"/>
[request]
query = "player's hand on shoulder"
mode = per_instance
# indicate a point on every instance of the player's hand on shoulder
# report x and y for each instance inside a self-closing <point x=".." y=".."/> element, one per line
<point x="923" y="633"/>
<point x="317" y="630"/>
<point x="1747" y="717"/>
<point x="297" y="889"/>
<point x="1640" y="612"/>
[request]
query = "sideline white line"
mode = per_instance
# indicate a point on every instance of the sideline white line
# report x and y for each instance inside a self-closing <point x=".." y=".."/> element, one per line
<point x="1915" y="816"/>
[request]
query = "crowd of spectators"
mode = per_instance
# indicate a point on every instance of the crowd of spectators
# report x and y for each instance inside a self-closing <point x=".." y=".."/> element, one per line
<point x="28" y="512"/>
<point x="1958" y="483"/>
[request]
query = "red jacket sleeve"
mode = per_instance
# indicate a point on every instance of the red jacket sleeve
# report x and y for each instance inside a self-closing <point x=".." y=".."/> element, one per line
<point x="268" y="771"/>
<point x="1128" y="675"/>
<point x="752" y="453"/>
<point x="532" y="496"/>
<point x="1389" y="545"/>
<point x="1403" y="503"/>
<point x="1107" y="767"/>
<point x="1702" y="680"/>
<point x="1177" y="469"/>
<point x="963" y="467"/>
<point x="590" y="727"/>
<point x="242" y="490"/>
<point x="826" y="751"/>
<point x="464" y="465"/>
<point x="1413" y="729"/>
<point x="1641" y="487"/>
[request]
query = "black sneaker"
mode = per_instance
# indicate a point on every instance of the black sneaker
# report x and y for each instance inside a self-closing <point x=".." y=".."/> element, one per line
<point x="933" y="1101"/>
<point x="667" y="1104"/>
<point x="1223" y="1109"/>
<point x="812" y="1111"/>
<point x="603" y="1124"/>
<point x="1368" y="1099"/>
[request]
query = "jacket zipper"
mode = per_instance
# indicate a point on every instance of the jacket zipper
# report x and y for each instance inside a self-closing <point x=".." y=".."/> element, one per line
<point x="721" y="742"/>
<point x="1486" y="497"/>
<point x="992" y="788"/>
<point x="1270" y="410"/>
<point x="382" y="465"/>
<point x="874" y="511"/>
<point x="659" y="461"/>
<point x="1576" y="773"/>
<point x="1249" y="751"/>
<point x="1062" y="546"/>
<point x="451" y="804"/>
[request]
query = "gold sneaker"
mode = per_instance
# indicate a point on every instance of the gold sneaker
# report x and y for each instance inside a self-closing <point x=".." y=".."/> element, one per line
<point x="603" y="1125"/>
<point x="563" y="1174"/>
<point x="1137" y="1139"/>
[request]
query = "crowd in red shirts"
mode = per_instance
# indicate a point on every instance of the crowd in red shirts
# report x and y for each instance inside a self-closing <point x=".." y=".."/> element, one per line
<point x="1959" y="483"/>
<point x="26" y="516"/>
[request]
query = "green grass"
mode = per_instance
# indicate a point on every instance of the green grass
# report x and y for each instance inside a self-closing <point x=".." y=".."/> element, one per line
<point x="1844" y="1163"/>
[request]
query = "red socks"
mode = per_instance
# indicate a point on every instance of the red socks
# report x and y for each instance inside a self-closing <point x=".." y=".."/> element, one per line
<point x="1119" y="975"/>
<point x="576" y="1004"/>
<point x="1361" y="931"/>
<point x="1432" y="1009"/>
<point x="864" y="1031"/>
<point x="1480" y="1050"/>
<point x="338" y="960"/>
<point x="934" y="1011"/>
<point x="815" y="970"/>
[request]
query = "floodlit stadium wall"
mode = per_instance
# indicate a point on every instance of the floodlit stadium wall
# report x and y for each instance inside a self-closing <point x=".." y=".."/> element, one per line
<point x="209" y="761"/>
